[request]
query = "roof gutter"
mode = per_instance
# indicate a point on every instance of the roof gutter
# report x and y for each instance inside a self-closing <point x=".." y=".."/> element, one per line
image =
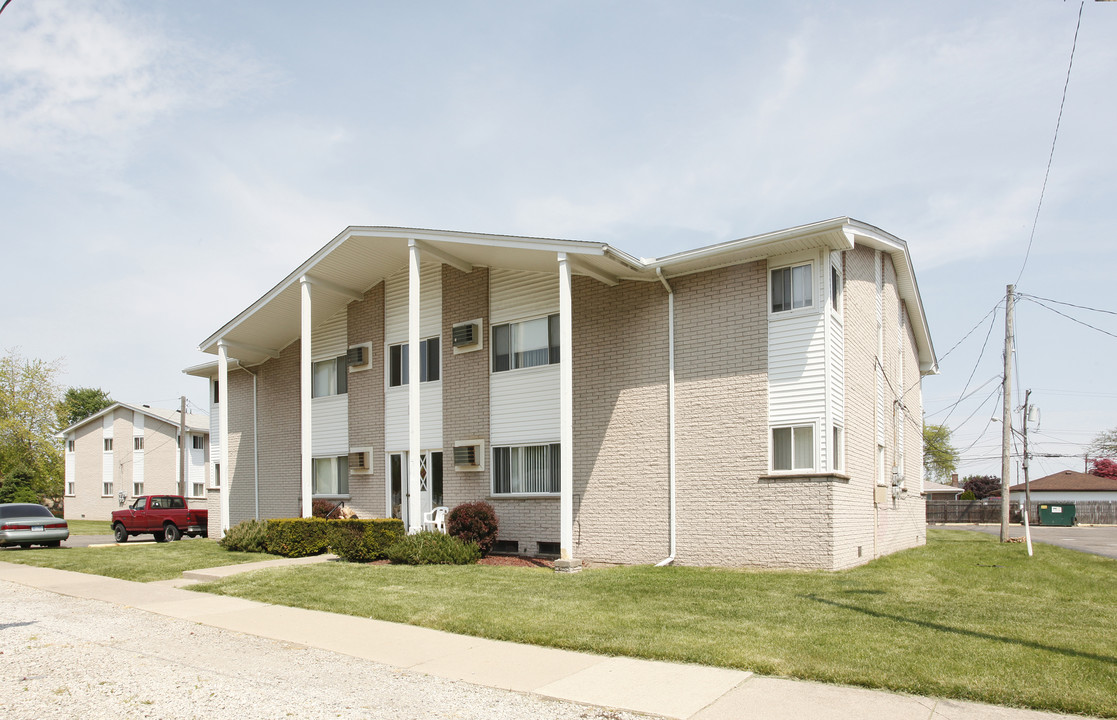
<point x="670" y="418"/>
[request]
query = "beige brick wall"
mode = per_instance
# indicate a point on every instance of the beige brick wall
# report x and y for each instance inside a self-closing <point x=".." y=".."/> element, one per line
<point x="465" y="392"/>
<point x="620" y="424"/>
<point x="87" y="503"/>
<point x="366" y="403"/>
<point x="863" y="525"/>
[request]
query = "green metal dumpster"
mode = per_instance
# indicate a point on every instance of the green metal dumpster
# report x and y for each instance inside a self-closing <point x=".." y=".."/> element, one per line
<point x="1060" y="514"/>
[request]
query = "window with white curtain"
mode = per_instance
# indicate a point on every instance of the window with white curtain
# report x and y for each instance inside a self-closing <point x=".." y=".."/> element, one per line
<point x="526" y="470"/>
<point x="330" y="475"/>
<point x="329" y="377"/>
<point x="791" y="287"/>
<point x="793" y="448"/>
<point x="525" y="344"/>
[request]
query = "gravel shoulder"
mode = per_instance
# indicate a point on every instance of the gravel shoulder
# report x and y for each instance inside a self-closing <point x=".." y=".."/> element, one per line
<point x="65" y="657"/>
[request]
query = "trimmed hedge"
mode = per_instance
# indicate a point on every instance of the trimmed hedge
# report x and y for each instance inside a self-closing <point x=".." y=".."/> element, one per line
<point x="433" y="548"/>
<point x="363" y="540"/>
<point x="297" y="537"/>
<point x="474" y="522"/>
<point x="247" y="536"/>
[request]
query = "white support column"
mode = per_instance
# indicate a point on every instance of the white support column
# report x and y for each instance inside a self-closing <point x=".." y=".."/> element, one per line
<point x="414" y="506"/>
<point x="222" y="432"/>
<point x="305" y="413"/>
<point x="566" y="561"/>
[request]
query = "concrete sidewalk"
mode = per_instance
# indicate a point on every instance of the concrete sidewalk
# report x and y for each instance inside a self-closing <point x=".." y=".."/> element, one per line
<point x="657" y="688"/>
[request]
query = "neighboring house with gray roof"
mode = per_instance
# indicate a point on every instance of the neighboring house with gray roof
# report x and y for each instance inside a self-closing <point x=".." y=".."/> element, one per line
<point x="755" y="402"/>
<point x="129" y="450"/>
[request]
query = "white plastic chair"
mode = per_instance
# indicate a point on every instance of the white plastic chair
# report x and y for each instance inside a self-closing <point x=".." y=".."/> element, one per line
<point x="435" y="520"/>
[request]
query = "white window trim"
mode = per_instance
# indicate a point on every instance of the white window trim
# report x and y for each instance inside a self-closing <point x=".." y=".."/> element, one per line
<point x="71" y="488"/>
<point x="815" y="458"/>
<point x="492" y="347"/>
<point x="368" y="353"/>
<point x="794" y="261"/>
<point x="330" y="496"/>
<point x="103" y="484"/>
<point x="492" y="475"/>
<point x="837" y="448"/>
<point x="388" y="387"/>
<point x="215" y="475"/>
<point x="838" y="310"/>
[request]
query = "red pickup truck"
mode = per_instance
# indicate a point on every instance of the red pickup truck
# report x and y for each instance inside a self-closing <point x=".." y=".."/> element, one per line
<point x="167" y="517"/>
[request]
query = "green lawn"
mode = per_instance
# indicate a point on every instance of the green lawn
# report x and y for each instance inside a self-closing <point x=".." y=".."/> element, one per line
<point x="963" y="617"/>
<point x="90" y="527"/>
<point x="134" y="561"/>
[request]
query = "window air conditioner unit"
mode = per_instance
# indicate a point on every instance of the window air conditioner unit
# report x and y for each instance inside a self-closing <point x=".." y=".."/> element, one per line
<point x="469" y="455"/>
<point x="357" y="356"/>
<point x="466" y="334"/>
<point x="360" y="461"/>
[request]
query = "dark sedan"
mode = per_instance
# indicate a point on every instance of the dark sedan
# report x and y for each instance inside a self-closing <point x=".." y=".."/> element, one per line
<point x="26" y="524"/>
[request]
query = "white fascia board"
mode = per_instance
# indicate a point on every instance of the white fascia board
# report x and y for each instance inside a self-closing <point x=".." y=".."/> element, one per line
<point x="757" y="242"/>
<point x="94" y="416"/>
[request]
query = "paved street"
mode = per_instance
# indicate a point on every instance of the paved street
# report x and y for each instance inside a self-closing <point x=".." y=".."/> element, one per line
<point x="1099" y="540"/>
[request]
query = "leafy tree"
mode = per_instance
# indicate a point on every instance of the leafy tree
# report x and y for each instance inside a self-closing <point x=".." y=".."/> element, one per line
<point x="983" y="486"/>
<point x="29" y="399"/>
<point x="1104" y="444"/>
<point x="1104" y="467"/>
<point x="81" y="402"/>
<point x="940" y="458"/>
<point x="17" y="487"/>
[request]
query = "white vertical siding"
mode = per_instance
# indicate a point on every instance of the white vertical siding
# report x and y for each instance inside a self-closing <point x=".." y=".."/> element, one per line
<point x="214" y="435"/>
<point x="330" y="338"/>
<point x="796" y="369"/>
<point x="430" y="304"/>
<point x="396" y="417"/>
<point x="195" y="469"/>
<point x="71" y="464"/>
<point x="877" y="275"/>
<point x="524" y="406"/>
<point x="106" y="457"/>
<point x="330" y="425"/>
<point x="514" y="295"/>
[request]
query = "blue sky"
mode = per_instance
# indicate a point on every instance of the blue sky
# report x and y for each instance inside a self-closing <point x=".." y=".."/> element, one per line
<point x="163" y="164"/>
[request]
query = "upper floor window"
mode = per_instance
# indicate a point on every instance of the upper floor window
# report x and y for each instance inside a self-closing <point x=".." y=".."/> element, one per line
<point x="216" y="392"/>
<point x="835" y="288"/>
<point x="69" y="445"/>
<point x="791" y="287"/>
<point x="199" y="442"/>
<point x="525" y="344"/>
<point x="108" y="445"/>
<point x="329" y="377"/>
<point x="138" y="444"/>
<point x="399" y="362"/>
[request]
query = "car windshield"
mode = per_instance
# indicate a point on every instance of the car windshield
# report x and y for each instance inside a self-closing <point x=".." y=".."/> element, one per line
<point x="19" y="511"/>
<point x="139" y="503"/>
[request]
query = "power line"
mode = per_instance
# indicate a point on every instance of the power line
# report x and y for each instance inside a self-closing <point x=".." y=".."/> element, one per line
<point x="1072" y="319"/>
<point x="1051" y="156"/>
<point x="981" y="354"/>
<point x="1060" y="302"/>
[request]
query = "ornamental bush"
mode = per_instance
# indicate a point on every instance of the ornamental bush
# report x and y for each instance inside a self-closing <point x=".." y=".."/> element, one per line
<point x="474" y="522"/>
<point x="248" y="536"/>
<point x="433" y="548"/>
<point x="363" y="540"/>
<point x="297" y="537"/>
<point x="325" y="508"/>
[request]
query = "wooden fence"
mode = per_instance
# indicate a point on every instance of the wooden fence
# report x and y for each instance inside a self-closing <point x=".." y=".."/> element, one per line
<point x="1092" y="512"/>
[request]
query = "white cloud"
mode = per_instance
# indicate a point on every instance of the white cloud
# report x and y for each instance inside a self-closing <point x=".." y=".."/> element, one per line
<point x="77" y="80"/>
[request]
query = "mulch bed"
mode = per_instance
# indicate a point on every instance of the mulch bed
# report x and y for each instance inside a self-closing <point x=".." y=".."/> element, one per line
<point x="516" y="561"/>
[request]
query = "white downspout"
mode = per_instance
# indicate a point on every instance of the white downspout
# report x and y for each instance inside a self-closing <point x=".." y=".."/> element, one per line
<point x="670" y="416"/>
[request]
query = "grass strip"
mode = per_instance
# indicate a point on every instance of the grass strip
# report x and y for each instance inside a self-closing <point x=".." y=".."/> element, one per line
<point x="90" y="527"/>
<point x="135" y="561"/>
<point x="963" y="617"/>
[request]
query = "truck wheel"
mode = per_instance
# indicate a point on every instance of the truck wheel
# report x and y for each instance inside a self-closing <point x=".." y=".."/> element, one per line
<point x="171" y="532"/>
<point x="119" y="533"/>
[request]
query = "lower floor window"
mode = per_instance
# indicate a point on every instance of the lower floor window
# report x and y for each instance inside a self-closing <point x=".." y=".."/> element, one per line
<point x="70" y="487"/>
<point x="137" y="489"/>
<point x="837" y="449"/>
<point x="217" y="475"/>
<point x="331" y="475"/>
<point x="526" y="469"/>
<point x="793" y="448"/>
<point x="197" y="489"/>
<point x="106" y="488"/>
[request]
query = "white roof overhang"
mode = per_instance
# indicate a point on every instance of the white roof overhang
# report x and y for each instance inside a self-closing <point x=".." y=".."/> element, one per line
<point x="361" y="257"/>
<point x="194" y="423"/>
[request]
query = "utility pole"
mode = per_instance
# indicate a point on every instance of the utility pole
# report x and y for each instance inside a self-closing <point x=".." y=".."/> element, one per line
<point x="182" y="445"/>
<point x="1006" y="416"/>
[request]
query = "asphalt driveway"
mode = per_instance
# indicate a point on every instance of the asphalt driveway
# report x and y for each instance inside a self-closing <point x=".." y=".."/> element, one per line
<point x="1098" y="540"/>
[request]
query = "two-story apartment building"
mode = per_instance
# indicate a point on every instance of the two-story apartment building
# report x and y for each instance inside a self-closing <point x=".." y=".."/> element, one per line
<point x="755" y="402"/>
<point x="129" y="450"/>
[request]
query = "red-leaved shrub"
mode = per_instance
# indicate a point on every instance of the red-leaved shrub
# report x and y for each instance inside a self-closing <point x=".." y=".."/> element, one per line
<point x="474" y="522"/>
